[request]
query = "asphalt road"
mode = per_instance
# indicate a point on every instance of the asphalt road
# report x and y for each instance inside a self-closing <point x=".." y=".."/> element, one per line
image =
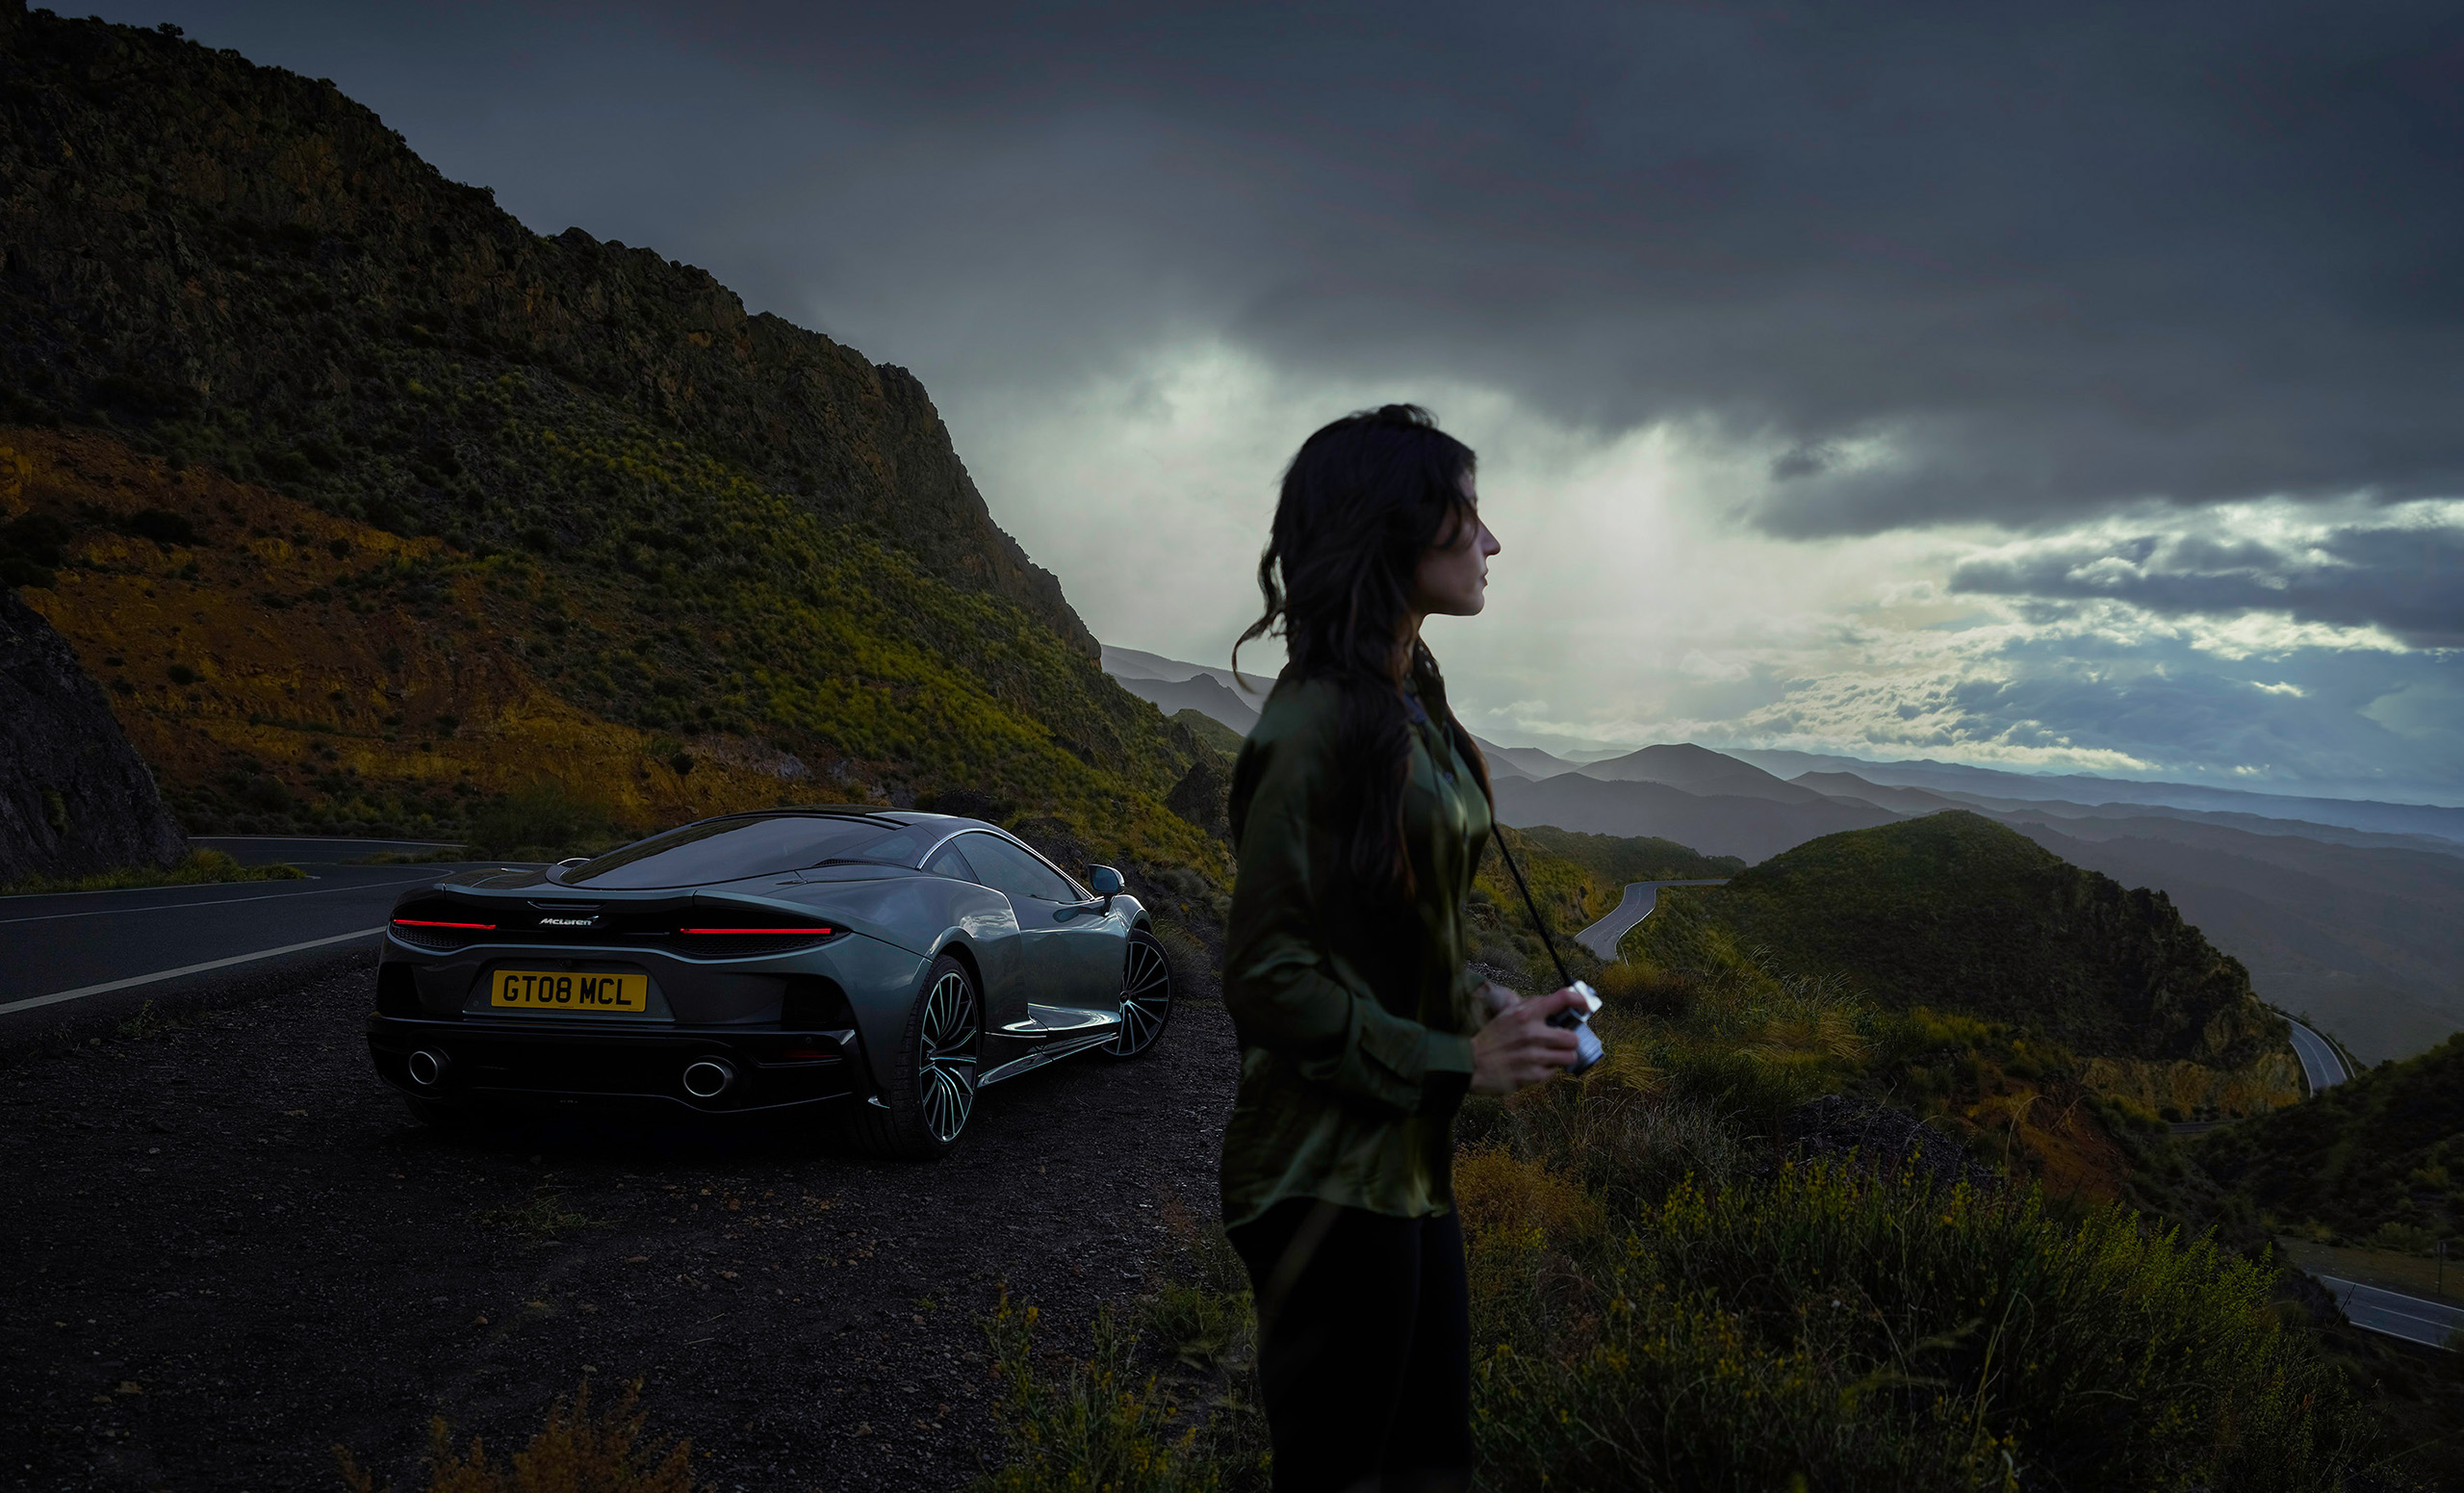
<point x="2320" y="1061"/>
<point x="2394" y="1313"/>
<point x="81" y="955"/>
<point x="1602" y="937"/>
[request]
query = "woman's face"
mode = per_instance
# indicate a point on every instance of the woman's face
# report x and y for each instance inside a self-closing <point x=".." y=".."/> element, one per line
<point x="1453" y="575"/>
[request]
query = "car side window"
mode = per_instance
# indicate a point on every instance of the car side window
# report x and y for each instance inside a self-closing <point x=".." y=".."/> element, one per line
<point x="1008" y="869"/>
<point x="947" y="862"/>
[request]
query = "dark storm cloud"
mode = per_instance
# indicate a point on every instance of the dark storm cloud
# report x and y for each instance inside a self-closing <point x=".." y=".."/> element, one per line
<point x="1945" y="261"/>
<point x="1952" y="261"/>
<point x="2409" y="581"/>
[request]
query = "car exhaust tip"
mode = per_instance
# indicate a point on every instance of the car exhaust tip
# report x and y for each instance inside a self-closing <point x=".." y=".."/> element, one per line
<point x="428" y="1068"/>
<point x="706" y="1078"/>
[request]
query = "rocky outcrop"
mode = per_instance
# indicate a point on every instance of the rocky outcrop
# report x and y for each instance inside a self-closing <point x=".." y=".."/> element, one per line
<point x="234" y="264"/>
<point x="74" y="798"/>
<point x="1201" y="797"/>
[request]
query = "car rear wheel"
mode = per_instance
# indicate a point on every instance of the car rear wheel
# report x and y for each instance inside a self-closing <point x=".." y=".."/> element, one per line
<point x="932" y="1089"/>
<point x="1146" y="996"/>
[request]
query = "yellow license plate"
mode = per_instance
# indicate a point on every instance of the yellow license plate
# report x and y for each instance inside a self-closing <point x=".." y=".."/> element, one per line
<point x="528" y="990"/>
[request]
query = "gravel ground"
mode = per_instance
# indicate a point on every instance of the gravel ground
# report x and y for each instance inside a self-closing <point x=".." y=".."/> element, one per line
<point x="230" y="1250"/>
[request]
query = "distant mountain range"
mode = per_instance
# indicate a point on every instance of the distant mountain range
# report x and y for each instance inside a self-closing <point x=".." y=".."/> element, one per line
<point x="2083" y="788"/>
<point x="2349" y="911"/>
<point x="1175" y="686"/>
<point x="1750" y="826"/>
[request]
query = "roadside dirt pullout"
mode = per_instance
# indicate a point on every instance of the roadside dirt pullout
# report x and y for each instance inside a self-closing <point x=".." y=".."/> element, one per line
<point x="230" y="1250"/>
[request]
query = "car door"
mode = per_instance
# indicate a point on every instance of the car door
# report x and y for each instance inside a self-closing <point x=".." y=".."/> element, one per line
<point x="1036" y="894"/>
<point x="1008" y="977"/>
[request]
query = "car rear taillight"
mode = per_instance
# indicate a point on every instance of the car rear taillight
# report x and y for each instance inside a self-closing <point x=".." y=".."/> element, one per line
<point x="757" y="933"/>
<point x="431" y="922"/>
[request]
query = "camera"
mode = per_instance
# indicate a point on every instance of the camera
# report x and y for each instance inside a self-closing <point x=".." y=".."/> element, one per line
<point x="1589" y="1050"/>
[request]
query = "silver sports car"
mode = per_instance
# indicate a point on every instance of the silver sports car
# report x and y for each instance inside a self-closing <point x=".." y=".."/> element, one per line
<point x="890" y="964"/>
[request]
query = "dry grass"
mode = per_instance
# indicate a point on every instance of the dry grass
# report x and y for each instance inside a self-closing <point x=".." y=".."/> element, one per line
<point x="202" y="867"/>
<point x="579" y="1451"/>
<point x="543" y="1217"/>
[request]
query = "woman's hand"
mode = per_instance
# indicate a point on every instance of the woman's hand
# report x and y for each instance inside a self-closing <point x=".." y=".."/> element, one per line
<point x="1518" y="1047"/>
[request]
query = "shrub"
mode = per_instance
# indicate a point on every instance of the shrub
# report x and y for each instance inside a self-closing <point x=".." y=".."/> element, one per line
<point x="1823" y="1329"/>
<point x="159" y="525"/>
<point x="1093" y="1427"/>
<point x="2403" y="1238"/>
<point x="31" y="549"/>
<point x="577" y="1451"/>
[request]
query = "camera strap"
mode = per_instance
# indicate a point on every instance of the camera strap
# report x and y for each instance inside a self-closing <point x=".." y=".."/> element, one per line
<point x="1497" y="837"/>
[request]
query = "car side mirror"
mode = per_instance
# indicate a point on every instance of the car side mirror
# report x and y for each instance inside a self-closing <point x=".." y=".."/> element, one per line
<point x="1104" y="881"/>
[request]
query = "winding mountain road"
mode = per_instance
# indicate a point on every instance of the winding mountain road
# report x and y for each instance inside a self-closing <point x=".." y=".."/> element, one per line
<point x="2395" y="1314"/>
<point x="2321" y="1064"/>
<point x="1601" y="938"/>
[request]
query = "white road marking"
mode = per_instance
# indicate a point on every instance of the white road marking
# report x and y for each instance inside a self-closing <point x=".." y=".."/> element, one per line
<point x="174" y="907"/>
<point x="2376" y="1309"/>
<point x="2317" y="1056"/>
<point x="58" y="996"/>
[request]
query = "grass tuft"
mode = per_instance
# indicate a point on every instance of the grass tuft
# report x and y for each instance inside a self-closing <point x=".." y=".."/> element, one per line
<point x="579" y="1451"/>
<point x="1838" y="1329"/>
<point x="1094" y="1426"/>
<point x="543" y="1217"/>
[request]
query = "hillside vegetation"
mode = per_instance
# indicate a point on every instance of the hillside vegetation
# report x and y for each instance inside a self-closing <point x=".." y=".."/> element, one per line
<point x="232" y="263"/>
<point x="1614" y="861"/>
<point x="1663" y="1298"/>
<point x="378" y="512"/>
<point x="1954" y="911"/>
<point x="2377" y="1160"/>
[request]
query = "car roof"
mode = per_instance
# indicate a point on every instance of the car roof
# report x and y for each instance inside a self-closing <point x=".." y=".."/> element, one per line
<point x="904" y="817"/>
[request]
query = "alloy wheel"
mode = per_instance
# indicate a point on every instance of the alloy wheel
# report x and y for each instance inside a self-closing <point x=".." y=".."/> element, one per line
<point x="1145" y="998"/>
<point x="947" y="1073"/>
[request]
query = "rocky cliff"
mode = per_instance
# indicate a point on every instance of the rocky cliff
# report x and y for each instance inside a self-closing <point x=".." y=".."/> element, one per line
<point x="231" y="263"/>
<point x="74" y="799"/>
<point x="379" y="513"/>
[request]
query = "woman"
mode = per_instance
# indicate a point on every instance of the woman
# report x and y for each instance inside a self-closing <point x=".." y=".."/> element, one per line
<point x="1360" y="807"/>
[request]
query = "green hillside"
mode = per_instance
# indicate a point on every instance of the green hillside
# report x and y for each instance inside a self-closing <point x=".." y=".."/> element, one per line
<point x="2377" y="1160"/>
<point x="1953" y="912"/>
<point x="1221" y="738"/>
<point x="1617" y="859"/>
<point x="379" y="509"/>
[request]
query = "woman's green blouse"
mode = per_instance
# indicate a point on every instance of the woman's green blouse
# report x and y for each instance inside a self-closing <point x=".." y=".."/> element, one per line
<point x="1355" y="1018"/>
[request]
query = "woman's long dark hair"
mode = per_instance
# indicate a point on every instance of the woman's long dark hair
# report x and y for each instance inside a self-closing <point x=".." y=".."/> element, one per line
<point x="1363" y="500"/>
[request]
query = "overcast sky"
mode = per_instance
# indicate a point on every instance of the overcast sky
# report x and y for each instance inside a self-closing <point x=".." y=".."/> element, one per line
<point x="2054" y="387"/>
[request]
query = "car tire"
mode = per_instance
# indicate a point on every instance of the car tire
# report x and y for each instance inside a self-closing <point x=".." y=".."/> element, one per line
<point x="1145" y="997"/>
<point x="933" y="1073"/>
<point x="437" y="1114"/>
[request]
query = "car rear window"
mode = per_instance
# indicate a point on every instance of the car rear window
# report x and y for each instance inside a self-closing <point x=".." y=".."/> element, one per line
<point x="726" y="849"/>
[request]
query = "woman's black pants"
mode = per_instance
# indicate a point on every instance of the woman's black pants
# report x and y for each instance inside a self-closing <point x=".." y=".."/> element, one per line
<point x="1364" y="1348"/>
